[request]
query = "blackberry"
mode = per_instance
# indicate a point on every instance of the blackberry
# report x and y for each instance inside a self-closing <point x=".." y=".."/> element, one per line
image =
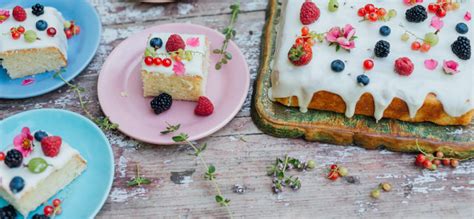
<point x="40" y="216"/>
<point x="161" y="103"/>
<point x="416" y="14"/>
<point x="462" y="48"/>
<point x="14" y="158"/>
<point x="382" y="49"/>
<point x="37" y="9"/>
<point x="8" y="212"/>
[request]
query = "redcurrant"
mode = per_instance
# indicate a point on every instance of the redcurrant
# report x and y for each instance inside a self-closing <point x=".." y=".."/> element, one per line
<point x="157" y="61"/>
<point x="48" y="210"/>
<point x="148" y="60"/>
<point x="56" y="202"/>
<point x="167" y="62"/>
<point x="368" y="64"/>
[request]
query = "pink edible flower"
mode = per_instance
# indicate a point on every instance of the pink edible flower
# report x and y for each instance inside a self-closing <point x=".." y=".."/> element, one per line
<point x="431" y="64"/>
<point x="344" y="37"/>
<point x="193" y="42"/>
<point x="23" y="142"/>
<point x="437" y="23"/>
<point x="467" y="17"/>
<point x="450" y="67"/>
<point x="178" y="68"/>
<point x="4" y="15"/>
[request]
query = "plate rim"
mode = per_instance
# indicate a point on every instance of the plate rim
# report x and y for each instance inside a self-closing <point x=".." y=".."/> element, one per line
<point x="96" y="17"/>
<point x="202" y="135"/>
<point x="92" y="125"/>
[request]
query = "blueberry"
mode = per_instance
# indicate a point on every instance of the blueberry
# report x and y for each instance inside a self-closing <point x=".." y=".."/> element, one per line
<point x="363" y="80"/>
<point x="337" y="65"/>
<point x="462" y="28"/>
<point x="41" y="25"/>
<point x="156" y="43"/>
<point x="17" y="184"/>
<point x="39" y="135"/>
<point x="385" y="31"/>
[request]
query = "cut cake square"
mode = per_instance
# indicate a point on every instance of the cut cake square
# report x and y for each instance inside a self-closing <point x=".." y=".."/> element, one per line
<point x="62" y="169"/>
<point x="21" y="58"/>
<point x="185" y="78"/>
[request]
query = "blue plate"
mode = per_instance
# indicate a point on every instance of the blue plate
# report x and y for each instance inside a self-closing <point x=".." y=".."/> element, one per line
<point x="86" y="195"/>
<point x="81" y="49"/>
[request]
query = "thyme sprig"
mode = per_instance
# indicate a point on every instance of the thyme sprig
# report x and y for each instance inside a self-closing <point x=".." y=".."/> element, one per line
<point x="103" y="122"/>
<point x="280" y="179"/>
<point x="229" y="33"/>
<point x="138" y="180"/>
<point x="210" y="170"/>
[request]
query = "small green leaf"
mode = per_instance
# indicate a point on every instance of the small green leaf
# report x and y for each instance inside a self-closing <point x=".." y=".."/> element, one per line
<point x="211" y="169"/>
<point x="217" y="51"/>
<point x="218" y="66"/>
<point x="228" y="55"/>
<point x="219" y="199"/>
<point x="180" y="138"/>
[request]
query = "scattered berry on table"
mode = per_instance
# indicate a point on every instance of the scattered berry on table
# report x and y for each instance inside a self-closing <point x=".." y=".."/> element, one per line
<point x="156" y="43"/>
<point x="462" y="28"/>
<point x="51" y="145"/>
<point x="337" y="65"/>
<point x="21" y="29"/>
<point x="17" y="184"/>
<point x="16" y="35"/>
<point x="427" y="164"/>
<point x="8" y="212"/>
<point x="14" y="158"/>
<point x="39" y="135"/>
<point x="385" y="30"/>
<point x="333" y="5"/>
<point x="51" y="31"/>
<point x="382" y="49"/>
<point x="404" y="66"/>
<point x="309" y="12"/>
<point x="343" y="171"/>
<point x="431" y="38"/>
<point x="40" y="216"/>
<point x="204" y="107"/>
<point x="2" y="156"/>
<point x="446" y="162"/>
<point x="167" y="62"/>
<point x="368" y="64"/>
<point x="300" y="54"/>
<point x="48" y="210"/>
<point x="425" y="47"/>
<point x="462" y="48"/>
<point x="416" y="14"/>
<point x="19" y="14"/>
<point x="405" y="37"/>
<point x="41" y="25"/>
<point x="333" y="175"/>
<point x="174" y="43"/>
<point x="375" y="193"/>
<point x="454" y="163"/>
<point x="363" y="80"/>
<point x="37" y="9"/>
<point x="161" y="103"/>
<point x="416" y="45"/>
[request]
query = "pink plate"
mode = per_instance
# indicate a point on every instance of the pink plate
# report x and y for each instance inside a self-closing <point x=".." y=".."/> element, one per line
<point x="121" y="94"/>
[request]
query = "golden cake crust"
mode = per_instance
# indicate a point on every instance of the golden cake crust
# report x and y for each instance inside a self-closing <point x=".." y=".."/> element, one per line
<point x="431" y="111"/>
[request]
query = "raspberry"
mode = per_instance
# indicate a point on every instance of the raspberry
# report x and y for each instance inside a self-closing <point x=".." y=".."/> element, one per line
<point x="19" y="13"/>
<point x="462" y="48"/>
<point x="416" y="14"/>
<point x="14" y="158"/>
<point x="382" y="49"/>
<point x="309" y="13"/>
<point x="404" y="66"/>
<point x="174" y="43"/>
<point x="161" y="103"/>
<point x="204" y="107"/>
<point x="51" y="145"/>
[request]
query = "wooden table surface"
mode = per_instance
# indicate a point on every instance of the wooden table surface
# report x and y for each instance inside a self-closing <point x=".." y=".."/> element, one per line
<point x="241" y="152"/>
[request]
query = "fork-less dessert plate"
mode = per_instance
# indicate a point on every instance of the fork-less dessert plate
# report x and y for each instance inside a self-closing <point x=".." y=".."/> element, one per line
<point x="84" y="197"/>
<point x="121" y="93"/>
<point x="81" y="49"/>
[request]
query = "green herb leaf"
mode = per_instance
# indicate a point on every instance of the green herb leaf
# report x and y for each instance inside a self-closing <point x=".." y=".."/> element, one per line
<point x="170" y="129"/>
<point x="180" y="138"/>
<point x="212" y="169"/>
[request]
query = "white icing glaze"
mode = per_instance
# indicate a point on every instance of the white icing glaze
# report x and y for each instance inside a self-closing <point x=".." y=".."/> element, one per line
<point x="193" y="67"/>
<point x="455" y="92"/>
<point x="32" y="179"/>
<point x="54" y="19"/>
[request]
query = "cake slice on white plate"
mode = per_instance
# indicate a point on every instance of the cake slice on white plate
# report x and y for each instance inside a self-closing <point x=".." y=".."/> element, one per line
<point x="176" y="64"/>
<point x="33" y="40"/>
<point x="37" y="167"/>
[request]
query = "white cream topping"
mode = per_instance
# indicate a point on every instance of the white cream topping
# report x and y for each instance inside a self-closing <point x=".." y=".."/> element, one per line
<point x="455" y="92"/>
<point x="193" y="67"/>
<point x="54" y="19"/>
<point x="32" y="179"/>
